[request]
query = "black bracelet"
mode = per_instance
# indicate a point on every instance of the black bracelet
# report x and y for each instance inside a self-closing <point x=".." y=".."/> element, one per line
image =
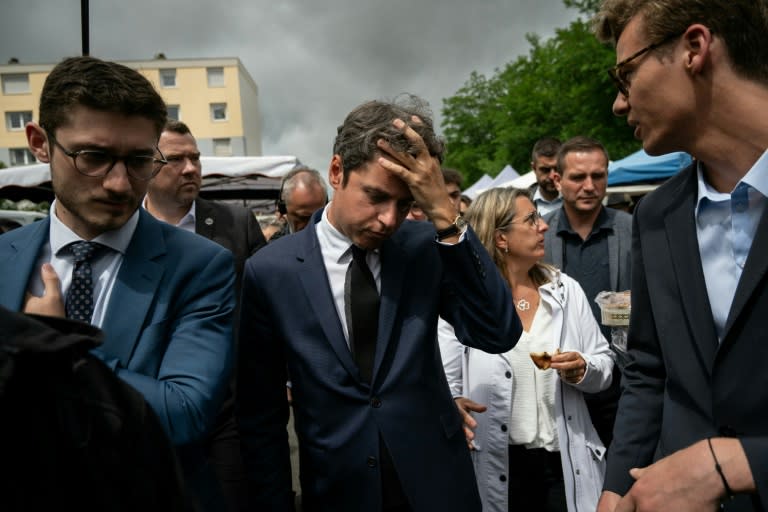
<point x="719" y="469"/>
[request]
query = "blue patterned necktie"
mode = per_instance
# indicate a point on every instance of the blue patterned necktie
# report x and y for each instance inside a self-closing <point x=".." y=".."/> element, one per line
<point x="79" y="304"/>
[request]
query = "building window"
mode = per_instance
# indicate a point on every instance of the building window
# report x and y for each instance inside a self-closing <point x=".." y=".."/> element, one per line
<point x="16" y="121"/>
<point x="21" y="156"/>
<point x="218" y="111"/>
<point x="222" y="147"/>
<point x="15" y="83"/>
<point x="174" y="113"/>
<point x="215" y="77"/>
<point x="168" y="77"/>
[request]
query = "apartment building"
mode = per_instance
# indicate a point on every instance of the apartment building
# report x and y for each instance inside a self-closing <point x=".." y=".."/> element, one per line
<point x="216" y="97"/>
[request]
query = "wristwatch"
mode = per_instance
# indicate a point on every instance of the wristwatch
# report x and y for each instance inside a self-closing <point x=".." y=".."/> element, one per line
<point x="458" y="226"/>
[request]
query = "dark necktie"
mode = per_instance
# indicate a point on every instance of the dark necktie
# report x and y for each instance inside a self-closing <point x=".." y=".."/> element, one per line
<point x="79" y="304"/>
<point x="363" y="309"/>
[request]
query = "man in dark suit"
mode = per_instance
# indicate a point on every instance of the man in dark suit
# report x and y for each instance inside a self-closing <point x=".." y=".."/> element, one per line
<point x="163" y="297"/>
<point x="691" y="428"/>
<point x="377" y="427"/>
<point x="172" y="196"/>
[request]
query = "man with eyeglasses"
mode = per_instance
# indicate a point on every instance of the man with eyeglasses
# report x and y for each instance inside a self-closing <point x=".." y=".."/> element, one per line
<point x="163" y="297"/>
<point x="592" y="244"/>
<point x="692" y="432"/>
<point x="173" y="197"/>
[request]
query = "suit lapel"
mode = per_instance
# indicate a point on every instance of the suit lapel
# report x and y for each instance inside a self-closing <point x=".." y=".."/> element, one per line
<point x="613" y="253"/>
<point x="753" y="273"/>
<point x="314" y="280"/>
<point x="204" y="219"/>
<point x="135" y="287"/>
<point x="683" y="246"/>
<point x="20" y="263"/>
<point x="554" y="248"/>
<point x="393" y="267"/>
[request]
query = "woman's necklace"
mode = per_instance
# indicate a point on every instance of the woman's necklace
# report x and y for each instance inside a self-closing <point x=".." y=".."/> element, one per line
<point x="523" y="305"/>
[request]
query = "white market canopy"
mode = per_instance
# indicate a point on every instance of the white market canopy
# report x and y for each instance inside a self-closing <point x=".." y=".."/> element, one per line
<point x="224" y="177"/>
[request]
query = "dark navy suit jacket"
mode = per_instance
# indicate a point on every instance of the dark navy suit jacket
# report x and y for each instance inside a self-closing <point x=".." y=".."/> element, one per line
<point x="289" y="322"/>
<point x="683" y="385"/>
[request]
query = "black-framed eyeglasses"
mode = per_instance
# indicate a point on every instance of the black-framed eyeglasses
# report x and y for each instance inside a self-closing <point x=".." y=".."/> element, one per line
<point x="97" y="164"/>
<point x="617" y="72"/>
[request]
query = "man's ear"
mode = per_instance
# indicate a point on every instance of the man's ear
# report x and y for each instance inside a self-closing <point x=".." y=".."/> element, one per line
<point x="38" y="142"/>
<point x="336" y="173"/>
<point x="698" y="41"/>
<point x="556" y="177"/>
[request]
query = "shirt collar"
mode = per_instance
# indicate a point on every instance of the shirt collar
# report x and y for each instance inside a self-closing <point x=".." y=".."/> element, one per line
<point x="537" y="197"/>
<point x="333" y="242"/>
<point x="601" y="222"/>
<point x="118" y="239"/>
<point x="189" y="217"/>
<point x="756" y="178"/>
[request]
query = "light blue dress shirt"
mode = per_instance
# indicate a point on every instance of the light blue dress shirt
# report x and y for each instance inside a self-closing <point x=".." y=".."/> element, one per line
<point x="725" y="226"/>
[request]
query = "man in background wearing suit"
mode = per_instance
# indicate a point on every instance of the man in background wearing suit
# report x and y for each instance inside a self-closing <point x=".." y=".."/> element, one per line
<point x="172" y="196"/>
<point x="163" y="297"/>
<point x="692" y="427"/>
<point x="377" y="427"/>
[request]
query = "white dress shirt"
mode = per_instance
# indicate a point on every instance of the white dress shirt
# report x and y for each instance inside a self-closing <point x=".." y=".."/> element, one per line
<point x="187" y="222"/>
<point x="105" y="263"/>
<point x="337" y="254"/>
<point x="533" y="420"/>
<point x="336" y="249"/>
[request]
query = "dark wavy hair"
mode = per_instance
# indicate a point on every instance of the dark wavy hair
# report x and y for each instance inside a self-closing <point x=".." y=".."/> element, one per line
<point x="356" y="138"/>
<point x="100" y="85"/>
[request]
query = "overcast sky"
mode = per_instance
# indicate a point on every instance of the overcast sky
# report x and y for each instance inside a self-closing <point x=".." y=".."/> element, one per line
<point x="313" y="60"/>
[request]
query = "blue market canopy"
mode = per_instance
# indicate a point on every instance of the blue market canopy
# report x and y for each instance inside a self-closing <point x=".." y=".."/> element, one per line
<point x="640" y="167"/>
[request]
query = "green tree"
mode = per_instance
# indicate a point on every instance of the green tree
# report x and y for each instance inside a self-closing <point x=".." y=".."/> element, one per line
<point x="588" y="7"/>
<point x="559" y="89"/>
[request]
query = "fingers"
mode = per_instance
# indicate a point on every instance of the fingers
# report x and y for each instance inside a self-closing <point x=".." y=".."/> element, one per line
<point x="636" y="472"/>
<point x="51" y="282"/>
<point x="570" y="366"/>
<point x="51" y="303"/>
<point x="473" y="406"/>
<point x="608" y="502"/>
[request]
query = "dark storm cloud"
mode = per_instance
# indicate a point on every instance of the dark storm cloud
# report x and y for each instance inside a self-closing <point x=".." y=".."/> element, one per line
<point x="313" y="60"/>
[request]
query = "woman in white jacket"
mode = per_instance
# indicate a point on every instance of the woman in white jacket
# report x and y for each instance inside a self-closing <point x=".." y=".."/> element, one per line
<point x="534" y="448"/>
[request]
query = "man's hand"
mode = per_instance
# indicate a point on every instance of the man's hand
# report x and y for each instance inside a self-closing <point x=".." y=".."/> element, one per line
<point x="51" y="303"/>
<point x="685" y="481"/>
<point x="466" y="407"/>
<point x="422" y="173"/>
<point x="570" y="366"/>
<point x="608" y="501"/>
